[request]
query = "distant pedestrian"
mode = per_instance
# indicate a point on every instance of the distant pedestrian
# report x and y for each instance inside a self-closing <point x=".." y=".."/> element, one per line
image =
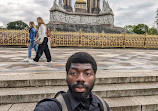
<point x="42" y="41"/>
<point x="32" y="44"/>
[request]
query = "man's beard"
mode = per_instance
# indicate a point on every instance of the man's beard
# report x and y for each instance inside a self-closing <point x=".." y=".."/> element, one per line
<point x="80" y="95"/>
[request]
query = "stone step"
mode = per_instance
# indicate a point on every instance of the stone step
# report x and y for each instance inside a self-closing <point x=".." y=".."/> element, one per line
<point x="33" y="94"/>
<point x="18" y="107"/>
<point x="54" y="78"/>
<point x="140" y="103"/>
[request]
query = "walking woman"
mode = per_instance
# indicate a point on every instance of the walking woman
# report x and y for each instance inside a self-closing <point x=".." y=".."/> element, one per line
<point x="32" y="44"/>
<point x="42" y="41"/>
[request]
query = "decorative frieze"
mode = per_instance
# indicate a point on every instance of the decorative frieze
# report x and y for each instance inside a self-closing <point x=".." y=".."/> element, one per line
<point x="74" y="18"/>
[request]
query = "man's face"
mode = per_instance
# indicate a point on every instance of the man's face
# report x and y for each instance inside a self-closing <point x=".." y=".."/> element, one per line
<point x="80" y="79"/>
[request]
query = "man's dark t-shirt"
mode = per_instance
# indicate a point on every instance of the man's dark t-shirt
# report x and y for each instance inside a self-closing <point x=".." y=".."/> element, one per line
<point x="91" y="104"/>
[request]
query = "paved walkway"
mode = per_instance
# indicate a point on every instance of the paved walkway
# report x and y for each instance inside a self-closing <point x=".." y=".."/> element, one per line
<point x="127" y="78"/>
<point x="12" y="59"/>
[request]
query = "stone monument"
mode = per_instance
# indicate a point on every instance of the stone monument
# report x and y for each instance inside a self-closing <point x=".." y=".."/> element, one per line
<point x="80" y="6"/>
<point x="86" y="16"/>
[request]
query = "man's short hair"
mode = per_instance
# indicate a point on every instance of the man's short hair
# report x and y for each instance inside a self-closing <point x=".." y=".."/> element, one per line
<point x="82" y="58"/>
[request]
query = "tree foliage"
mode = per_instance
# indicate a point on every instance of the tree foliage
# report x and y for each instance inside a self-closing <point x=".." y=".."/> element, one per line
<point x="141" y="29"/>
<point x="153" y="31"/>
<point x="17" y="25"/>
<point x="129" y="27"/>
<point x="156" y="18"/>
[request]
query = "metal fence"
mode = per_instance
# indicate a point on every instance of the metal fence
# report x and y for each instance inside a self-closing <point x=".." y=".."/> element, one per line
<point x="82" y="39"/>
<point x="14" y="37"/>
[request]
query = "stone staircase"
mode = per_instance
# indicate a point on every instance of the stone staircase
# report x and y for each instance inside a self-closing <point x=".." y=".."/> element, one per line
<point x="123" y="90"/>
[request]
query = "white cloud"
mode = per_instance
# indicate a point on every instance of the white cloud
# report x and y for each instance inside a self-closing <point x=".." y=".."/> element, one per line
<point x="2" y="25"/>
<point x="126" y="12"/>
<point x="134" y="12"/>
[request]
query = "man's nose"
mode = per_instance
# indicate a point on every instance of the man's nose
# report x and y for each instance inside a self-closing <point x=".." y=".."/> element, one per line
<point x="81" y="77"/>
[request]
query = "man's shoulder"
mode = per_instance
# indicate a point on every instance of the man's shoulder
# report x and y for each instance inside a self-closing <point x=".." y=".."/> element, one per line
<point x="48" y="104"/>
<point x="103" y="102"/>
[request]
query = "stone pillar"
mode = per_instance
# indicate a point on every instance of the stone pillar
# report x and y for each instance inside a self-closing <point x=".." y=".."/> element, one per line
<point x="92" y="5"/>
<point x="99" y="4"/>
<point x="68" y="2"/>
<point x="96" y="3"/>
<point x="96" y="9"/>
<point x="67" y="5"/>
<point x="65" y="2"/>
<point x="88" y="6"/>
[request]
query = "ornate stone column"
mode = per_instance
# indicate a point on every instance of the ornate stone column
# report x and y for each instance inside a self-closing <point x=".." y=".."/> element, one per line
<point x="92" y="2"/>
<point x="88" y="6"/>
<point x="65" y="2"/>
<point x="67" y="5"/>
<point x="96" y="7"/>
<point x="99" y="4"/>
<point x="70" y="3"/>
<point x="96" y="3"/>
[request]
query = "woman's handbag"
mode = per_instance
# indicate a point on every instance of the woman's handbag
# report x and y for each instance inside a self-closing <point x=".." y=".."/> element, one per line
<point x="48" y="32"/>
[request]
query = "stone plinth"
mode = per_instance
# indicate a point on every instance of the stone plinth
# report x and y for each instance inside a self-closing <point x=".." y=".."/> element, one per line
<point x="81" y="18"/>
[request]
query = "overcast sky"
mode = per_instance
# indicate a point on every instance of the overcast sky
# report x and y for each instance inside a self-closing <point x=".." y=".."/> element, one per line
<point x="126" y="12"/>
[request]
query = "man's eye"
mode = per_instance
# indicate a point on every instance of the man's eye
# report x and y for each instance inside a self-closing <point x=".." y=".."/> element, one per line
<point x="73" y="73"/>
<point x="88" y="74"/>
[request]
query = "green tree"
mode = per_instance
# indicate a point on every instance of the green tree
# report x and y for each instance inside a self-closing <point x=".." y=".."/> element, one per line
<point x="141" y="29"/>
<point x="153" y="31"/>
<point x="156" y="18"/>
<point x="129" y="27"/>
<point x="17" y="25"/>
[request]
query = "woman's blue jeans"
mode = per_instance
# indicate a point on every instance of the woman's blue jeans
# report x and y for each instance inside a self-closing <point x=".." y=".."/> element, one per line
<point x="32" y="45"/>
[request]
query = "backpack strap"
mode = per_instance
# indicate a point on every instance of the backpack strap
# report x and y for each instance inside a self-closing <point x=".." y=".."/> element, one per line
<point x="58" y="93"/>
<point x="67" y="100"/>
<point x="103" y="103"/>
<point x="62" y="102"/>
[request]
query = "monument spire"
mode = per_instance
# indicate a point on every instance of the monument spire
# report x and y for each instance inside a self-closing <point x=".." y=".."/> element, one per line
<point x="106" y="8"/>
<point x="56" y="7"/>
<point x="60" y="3"/>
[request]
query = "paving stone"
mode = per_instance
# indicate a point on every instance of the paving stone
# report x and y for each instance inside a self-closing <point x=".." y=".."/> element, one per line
<point x="28" y="94"/>
<point x="123" y="104"/>
<point x="47" y="78"/>
<point x="32" y="94"/>
<point x="144" y="79"/>
<point x="5" y="107"/>
<point x="15" y="80"/>
<point x="110" y="59"/>
<point x="124" y="76"/>
<point x="122" y="90"/>
<point x="149" y="103"/>
<point x="23" y="107"/>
